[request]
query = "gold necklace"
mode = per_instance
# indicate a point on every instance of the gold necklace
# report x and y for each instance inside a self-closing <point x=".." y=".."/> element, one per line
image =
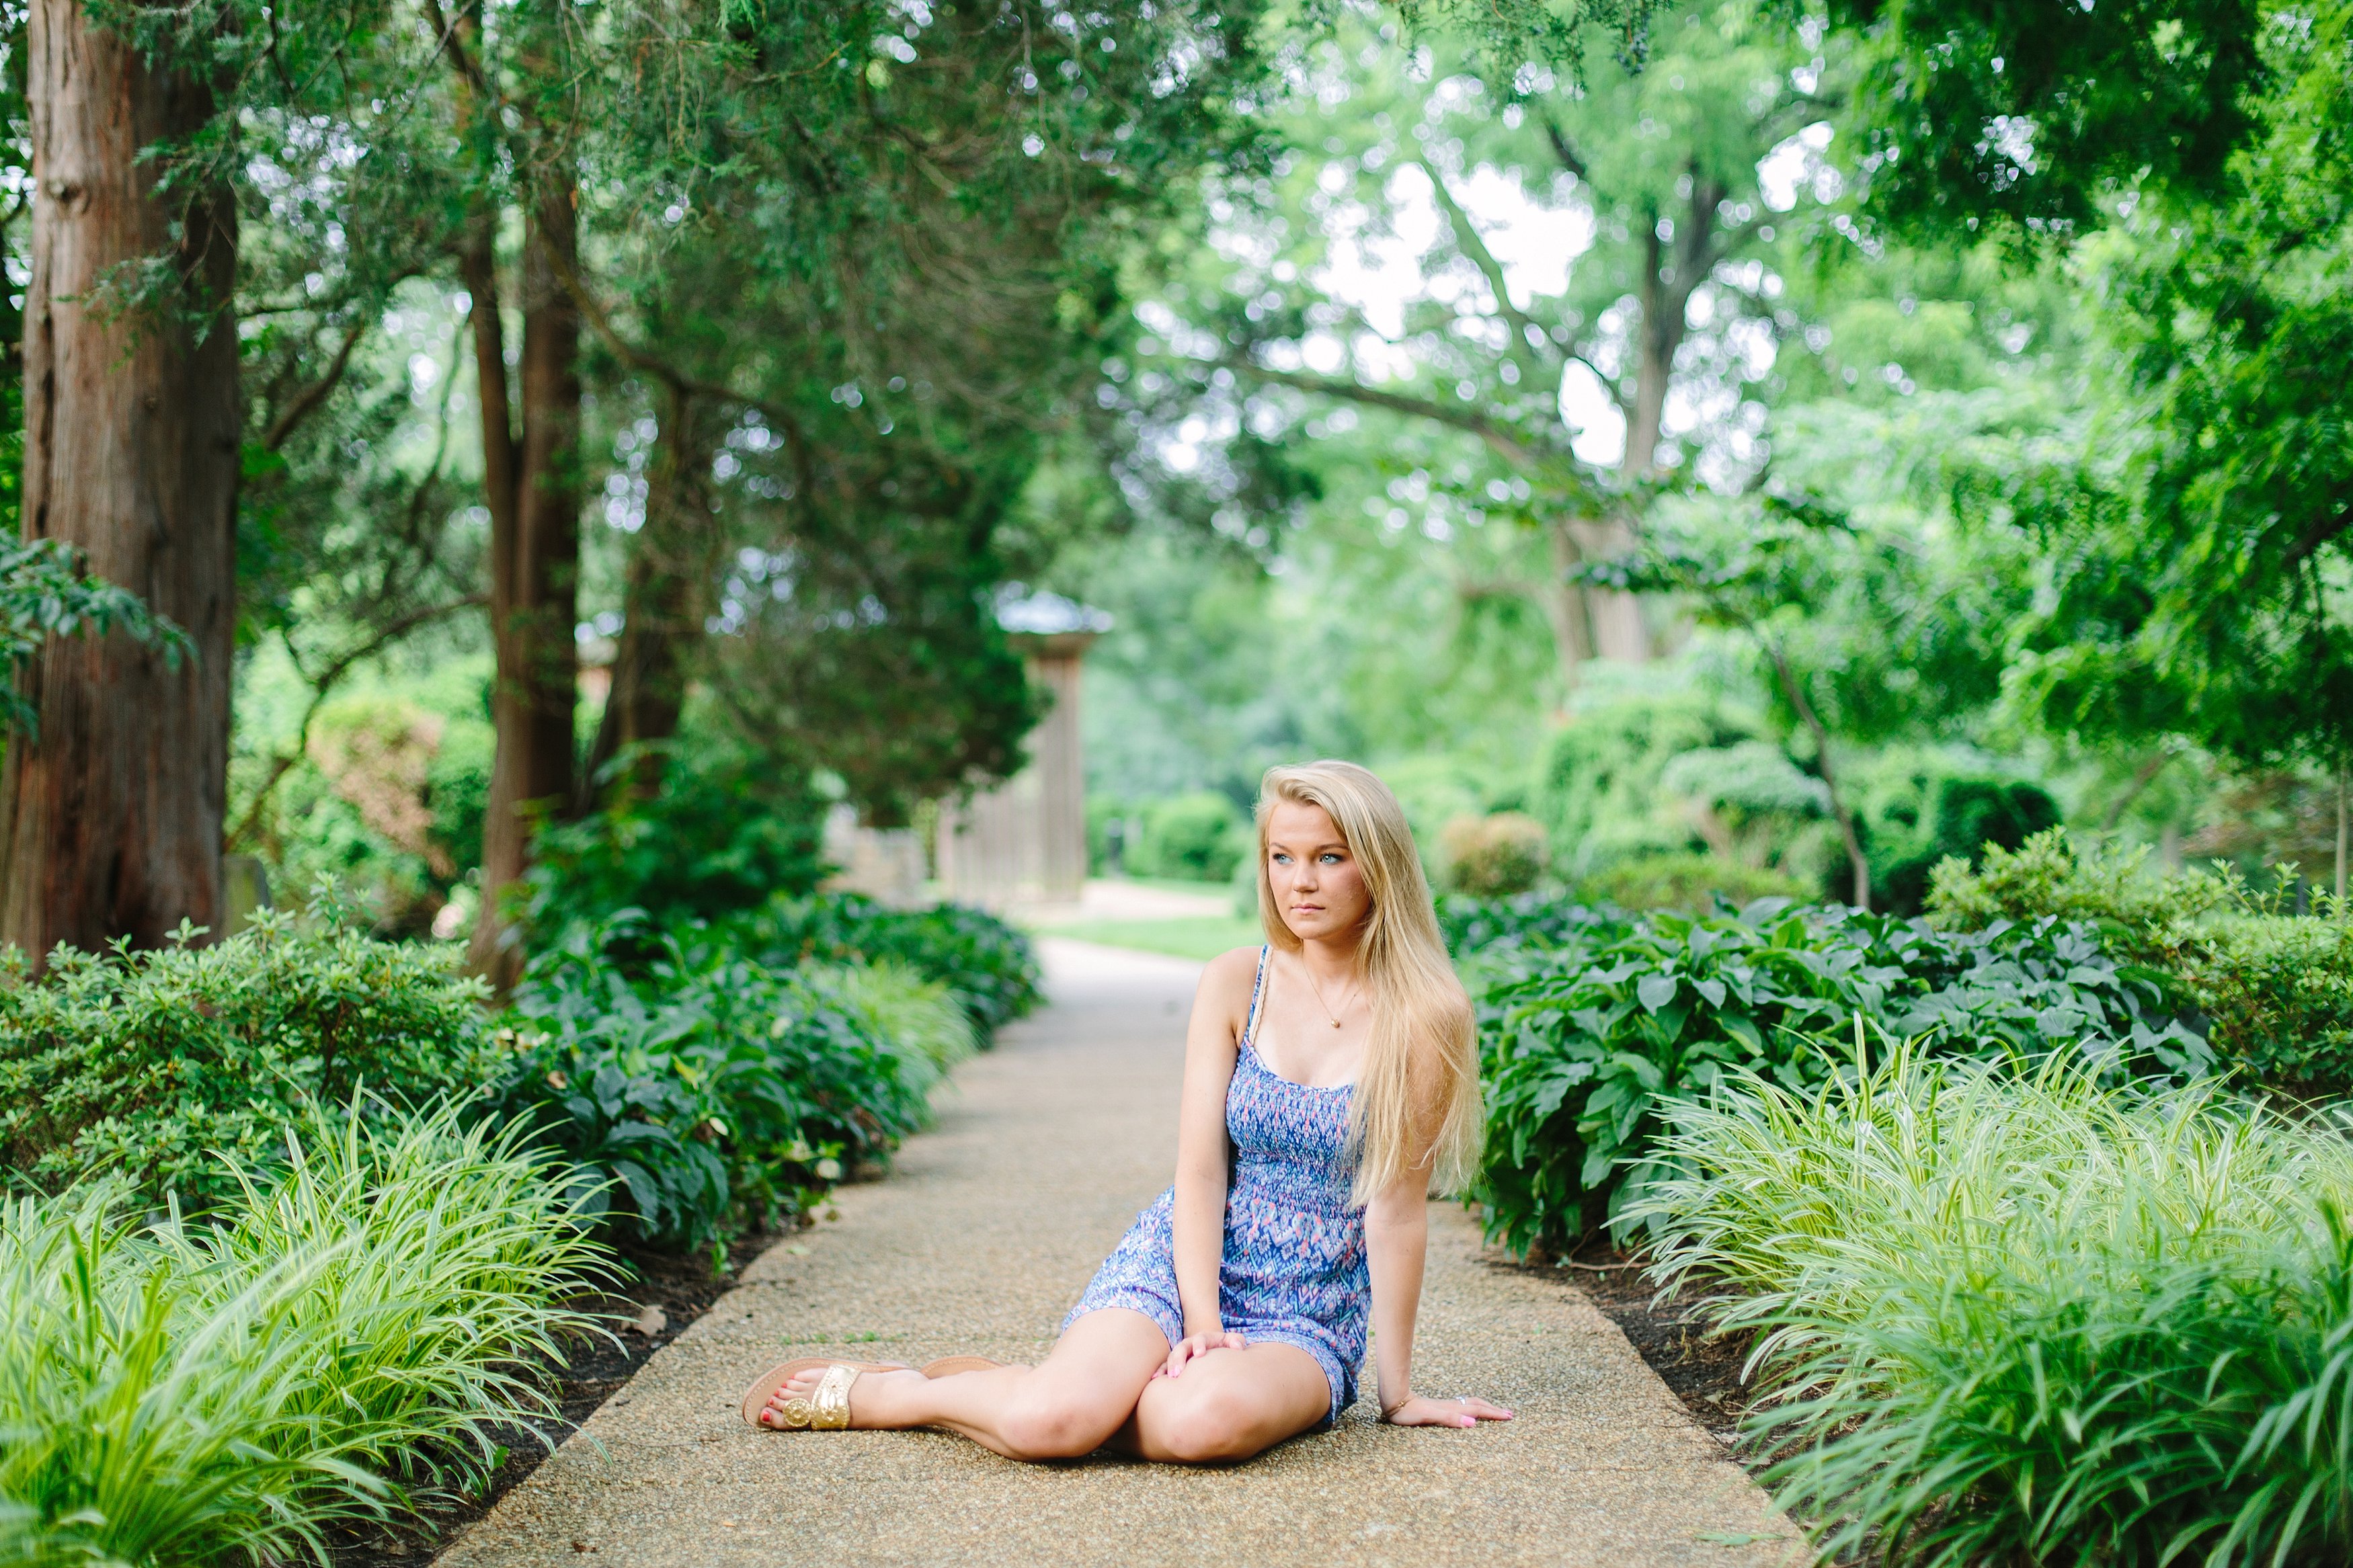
<point x="1317" y="992"/>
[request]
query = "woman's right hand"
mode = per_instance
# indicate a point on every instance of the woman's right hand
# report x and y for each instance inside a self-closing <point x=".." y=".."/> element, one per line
<point x="1193" y="1345"/>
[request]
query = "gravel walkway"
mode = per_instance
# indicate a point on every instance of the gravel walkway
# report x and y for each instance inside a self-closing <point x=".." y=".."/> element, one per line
<point x="985" y="1232"/>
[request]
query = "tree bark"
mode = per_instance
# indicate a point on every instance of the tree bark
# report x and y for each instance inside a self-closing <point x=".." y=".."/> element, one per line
<point x="1567" y="607"/>
<point x="1673" y="268"/>
<point x="534" y="559"/>
<point x="2343" y="780"/>
<point x="111" y="820"/>
<point x="662" y="608"/>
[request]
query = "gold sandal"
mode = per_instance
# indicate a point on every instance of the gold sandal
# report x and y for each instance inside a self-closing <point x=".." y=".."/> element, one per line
<point x="824" y="1408"/>
<point x="949" y="1365"/>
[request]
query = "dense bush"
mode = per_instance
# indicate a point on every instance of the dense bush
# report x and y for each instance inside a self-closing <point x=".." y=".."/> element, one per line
<point x="1600" y="1025"/>
<point x="356" y="1326"/>
<point x="987" y="965"/>
<point x="2275" y="989"/>
<point x="1599" y="791"/>
<point x="1915" y="817"/>
<point x="179" y="1066"/>
<point x="1534" y="922"/>
<point x="2032" y="1319"/>
<point x="1687" y="882"/>
<point x="713" y="1088"/>
<point x="1194" y="838"/>
<point x="727" y="831"/>
<point x="1495" y="856"/>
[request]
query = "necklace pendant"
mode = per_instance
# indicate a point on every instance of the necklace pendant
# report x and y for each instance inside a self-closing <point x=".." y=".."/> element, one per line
<point x="1335" y="1022"/>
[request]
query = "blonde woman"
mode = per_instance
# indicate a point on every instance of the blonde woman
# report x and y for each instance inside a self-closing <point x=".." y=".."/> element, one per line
<point x="1330" y="1082"/>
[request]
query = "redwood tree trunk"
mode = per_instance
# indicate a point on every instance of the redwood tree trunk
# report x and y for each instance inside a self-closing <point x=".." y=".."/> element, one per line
<point x="534" y="569"/>
<point x="111" y="820"/>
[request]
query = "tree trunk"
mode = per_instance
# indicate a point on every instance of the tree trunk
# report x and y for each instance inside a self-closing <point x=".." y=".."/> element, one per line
<point x="1858" y="863"/>
<point x="2344" y="779"/>
<point x="1673" y="268"/>
<point x="111" y="820"/>
<point x="662" y="610"/>
<point x="1567" y="607"/>
<point x="534" y="564"/>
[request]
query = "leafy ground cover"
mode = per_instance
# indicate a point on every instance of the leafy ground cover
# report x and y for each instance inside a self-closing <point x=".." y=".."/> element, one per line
<point x="1594" y="1023"/>
<point x="2031" y="1317"/>
<point x="2275" y="988"/>
<point x="715" y="1090"/>
<point x="336" y="1344"/>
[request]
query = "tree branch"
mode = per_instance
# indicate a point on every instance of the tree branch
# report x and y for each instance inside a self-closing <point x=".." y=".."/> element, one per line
<point x="1856" y="860"/>
<point x="1562" y="150"/>
<point x="1507" y="443"/>
<point x="306" y="403"/>
<point x="2318" y="534"/>
<point x="1474" y="246"/>
<point x="1608" y="385"/>
<point x="646" y="362"/>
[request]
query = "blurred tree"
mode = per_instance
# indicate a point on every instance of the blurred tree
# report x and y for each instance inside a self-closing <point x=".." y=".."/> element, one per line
<point x="1665" y="310"/>
<point x="827" y="500"/>
<point x="2200" y="539"/>
<point x="1981" y="113"/>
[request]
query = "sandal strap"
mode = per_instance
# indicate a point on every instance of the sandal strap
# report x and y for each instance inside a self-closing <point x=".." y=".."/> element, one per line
<point x="829" y="1400"/>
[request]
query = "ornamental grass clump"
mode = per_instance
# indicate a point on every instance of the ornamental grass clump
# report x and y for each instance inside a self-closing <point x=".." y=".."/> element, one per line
<point x="351" y="1331"/>
<point x="929" y="1029"/>
<point x="2031" y="1317"/>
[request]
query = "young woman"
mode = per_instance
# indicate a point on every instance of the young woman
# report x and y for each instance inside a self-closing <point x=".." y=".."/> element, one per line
<point x="1330" y="1081"/>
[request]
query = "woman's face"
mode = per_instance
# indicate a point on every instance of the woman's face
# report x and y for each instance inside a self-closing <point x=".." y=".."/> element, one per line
<point x="1319" y="888"/>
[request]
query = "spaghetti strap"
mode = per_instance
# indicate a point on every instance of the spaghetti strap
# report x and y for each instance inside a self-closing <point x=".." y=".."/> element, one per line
<point x="1258" y="993"/>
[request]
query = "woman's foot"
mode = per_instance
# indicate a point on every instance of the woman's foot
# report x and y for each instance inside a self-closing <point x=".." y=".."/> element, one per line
<point x="874" y="1396"/>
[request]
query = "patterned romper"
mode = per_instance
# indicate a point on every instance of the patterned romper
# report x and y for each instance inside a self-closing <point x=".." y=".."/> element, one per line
<point x="1293" y="1271"/>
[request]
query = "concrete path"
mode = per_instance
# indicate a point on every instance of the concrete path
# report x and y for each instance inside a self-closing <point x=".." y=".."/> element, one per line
<point x="987" y="1231"/>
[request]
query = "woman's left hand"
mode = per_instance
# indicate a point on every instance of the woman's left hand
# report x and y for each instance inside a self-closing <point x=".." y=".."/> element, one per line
<point x="1466" y="1411"/>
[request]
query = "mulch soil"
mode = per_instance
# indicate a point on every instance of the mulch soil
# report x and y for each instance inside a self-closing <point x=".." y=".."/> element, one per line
<point x="679" y="1289"/>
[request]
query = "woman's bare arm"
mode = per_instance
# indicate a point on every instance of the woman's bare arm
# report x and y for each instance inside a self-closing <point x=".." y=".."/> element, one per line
<point x="1396" y="1248"/>
<point x="1199" y="1218"/>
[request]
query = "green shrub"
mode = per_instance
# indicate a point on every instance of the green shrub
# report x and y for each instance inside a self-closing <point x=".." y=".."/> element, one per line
<point x="1531" y="923"/>
<point x="1600" y="794"/>
<point x="1588" y="1044"/>
<point x="1194" y="838"/>
<point x="1496" y="856"/>
<point x="987" y="965"/>
<point x="2275" y="989"/>
<point x="2034" y="1320"/>
<point x="728" y="831"/>
<point x="1913" y="819"/>
<point x="177" y="1067"/>
<point x="358" y="1325"/>
<point x="1687" y="882"/>
<point x="713" y="1091"/>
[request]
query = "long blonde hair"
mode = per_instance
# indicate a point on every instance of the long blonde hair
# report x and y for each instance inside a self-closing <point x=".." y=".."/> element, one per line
<point x="1416" y="1100"/>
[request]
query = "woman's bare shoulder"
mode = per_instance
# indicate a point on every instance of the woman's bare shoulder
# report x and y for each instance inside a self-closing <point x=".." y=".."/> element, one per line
<point x="1228" y="979"/>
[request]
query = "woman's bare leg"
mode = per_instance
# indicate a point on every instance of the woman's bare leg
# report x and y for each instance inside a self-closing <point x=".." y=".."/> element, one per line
<point x="1061" y="1409"/>
<point x="1229" y="1404"/>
